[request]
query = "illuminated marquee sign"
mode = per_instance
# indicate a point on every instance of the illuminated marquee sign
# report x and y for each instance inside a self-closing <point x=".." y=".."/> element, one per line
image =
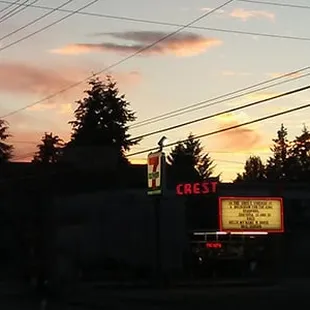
<point x="238" y="214"/>
<point x="196" y="188"/>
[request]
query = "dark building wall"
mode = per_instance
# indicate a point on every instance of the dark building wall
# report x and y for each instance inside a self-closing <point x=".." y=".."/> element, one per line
<point x="120" y="224"/>
<point x="85" y="229"/>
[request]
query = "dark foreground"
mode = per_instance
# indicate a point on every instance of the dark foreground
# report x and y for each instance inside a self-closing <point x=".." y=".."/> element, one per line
<point x="291" y="293"/>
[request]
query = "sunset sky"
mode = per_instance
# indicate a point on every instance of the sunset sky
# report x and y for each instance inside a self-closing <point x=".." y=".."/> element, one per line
<point x="190" y="67"/>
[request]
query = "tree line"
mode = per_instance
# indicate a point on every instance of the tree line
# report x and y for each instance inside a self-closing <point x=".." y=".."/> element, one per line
<point x="101" y="119"/>
<point x="290" y="160"/>
<point x="103" y="116"/>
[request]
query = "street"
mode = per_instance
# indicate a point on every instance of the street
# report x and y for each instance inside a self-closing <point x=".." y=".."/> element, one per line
<point x="278" y="296"/>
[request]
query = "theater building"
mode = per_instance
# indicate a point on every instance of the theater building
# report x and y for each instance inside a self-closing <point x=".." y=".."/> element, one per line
<point x="248" y="226"/>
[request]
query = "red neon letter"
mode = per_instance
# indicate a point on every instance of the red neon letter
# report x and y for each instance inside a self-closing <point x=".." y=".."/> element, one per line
<point x="179" y="189"/>
<point x="187" y="189"/>
<point x="205" y="188"/>
<point x="196" y="188"/>
<point x="213" y="186"/>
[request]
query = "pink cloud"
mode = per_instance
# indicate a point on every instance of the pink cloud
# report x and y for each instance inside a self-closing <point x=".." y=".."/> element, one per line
<point x="279" y="74"/>
<point x="206" y="9"/>
<point x="30" y="79"/>
<point x="239" y="139"/>
<point x="182" y="44"/>
<point x="245" y="15"/>
<point x="25" y="79"/>
<point x="234" y="73"/>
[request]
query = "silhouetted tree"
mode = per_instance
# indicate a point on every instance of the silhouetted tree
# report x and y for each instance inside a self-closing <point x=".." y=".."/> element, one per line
<point x="278" y="164"/>
<point x="102" y="117"/>
<point x="50" y="149"/>
<point x="187" y="161"/>
<point x="300" y="156"/>
<point x="254" y="170"/>
<point x="6" y="150"/>
<point x="205" y="167"/>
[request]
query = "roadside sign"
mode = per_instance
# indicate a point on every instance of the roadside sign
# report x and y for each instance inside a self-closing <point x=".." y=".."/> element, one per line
<point x="237" y="214"/>
<point x="154" y="173"/>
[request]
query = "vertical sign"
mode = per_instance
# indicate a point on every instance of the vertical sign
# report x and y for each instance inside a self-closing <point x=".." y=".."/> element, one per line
<point x="154" y="173"/>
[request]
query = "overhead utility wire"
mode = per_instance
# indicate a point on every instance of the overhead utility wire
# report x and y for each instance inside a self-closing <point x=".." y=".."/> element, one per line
<point x="291" y="92"/>
<point x="18" y="9"/>
<point x="10" y="4"/>
<point x="14" y="7"/>
<point x="23" y="142"/>
<point x="117" y="62"/>
<point x="48" y="26"/>
<point x="214" y="101"/>
<point x="289" y="5"/>
<point x="27" y="155"/>
<point x="34" y="21"/>
<point x="257" y="120"/>
<point x="24" y="155"/>
<point x="209" y="150"/>
<point x="161" y="23"/>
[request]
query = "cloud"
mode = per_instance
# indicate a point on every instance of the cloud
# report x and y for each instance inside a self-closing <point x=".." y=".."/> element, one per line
<point x="261" y="95"/>
<point x="279" y="74"/>
<point x="65" y="108"/>
<point x="245" y="15"/>
<point x="128" y="78"/>
<point x="234" y="73"/>
<point x="228" y="73"/>
<point x="206" y="9"/>
<point x="228" y="118"/>
<point x="239" y="139"/>
<point x="182" y="44"/>
<point x="251" y="98"/>
<point x="28" y="79"/>
<point x="25" y="79"/>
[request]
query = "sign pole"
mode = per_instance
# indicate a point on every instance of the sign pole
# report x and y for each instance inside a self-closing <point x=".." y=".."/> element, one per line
<point x="157" y="209"/>
<point x="156" y="187"/>
<point x="157" y="205"/>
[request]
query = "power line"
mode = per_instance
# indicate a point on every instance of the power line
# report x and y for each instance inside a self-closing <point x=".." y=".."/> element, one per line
<point x="11" y="12"/>
<point x="23" y="142"/>
<point x="18" y="9"/>
<point x="30" y="154"/>
<point x="8" y="6"/>
<point x="209" y="151"/>
<point x="23" y="156"/>
<point x="257" y="120"/>
<point x="35" y="143"/>
<point x="220" y="99"/>
<point x="118" y="62"/>
<point x="289" y="5"/>
<point x="48" y="26"/>
<point x="161" y="23"/>
<point x="291" y="92"/>
<point x="34" y="21"/>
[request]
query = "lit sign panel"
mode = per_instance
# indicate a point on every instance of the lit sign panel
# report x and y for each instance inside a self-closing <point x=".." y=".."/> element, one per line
<point x="154" y="173"/>
<point x="213" y="245"/>
<point x="238" y="214"/>
<point x="196" y="188"/>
